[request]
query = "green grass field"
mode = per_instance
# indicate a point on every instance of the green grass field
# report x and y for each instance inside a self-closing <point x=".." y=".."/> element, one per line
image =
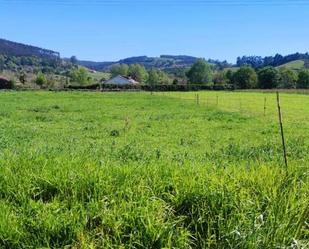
<point x="294" y="65"/>
<point x="135" y="170"/>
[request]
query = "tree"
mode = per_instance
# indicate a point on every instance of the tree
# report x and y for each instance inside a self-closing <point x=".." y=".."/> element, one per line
<point x="138" y="73"/>
<point x="175" y="82"/>
<point x="2" y="61"/>
<point x="200" y="73"/>
<point x="158" y="77"/>
<point x="119" y="69"/>
<point x="220" y="79"/>
<point x="254" y="61"/>
<point x="245" y="78"/>
<point x="269" y="77"/>
<point x="288" y="78"/>
<point x="23" y="77"/>
<point x="79" y="75"/>
<point x="230" y="76"/>
<point x="40" y="80"/>
<point x="303" y="79"/>
<point x="73" y="60"/>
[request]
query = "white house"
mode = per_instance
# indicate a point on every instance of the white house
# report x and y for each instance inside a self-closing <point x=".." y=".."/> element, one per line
<point x="120" y="80"/>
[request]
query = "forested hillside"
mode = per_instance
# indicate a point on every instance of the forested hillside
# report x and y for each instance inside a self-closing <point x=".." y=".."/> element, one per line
<point x="33" y="67"/>
<point x="10" y="48"/>
<point x="167" y="63"/>
<point x="161" y="62"/>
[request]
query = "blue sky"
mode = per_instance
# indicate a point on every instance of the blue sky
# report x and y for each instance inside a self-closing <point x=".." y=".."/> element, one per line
<point x="105" y="30"/>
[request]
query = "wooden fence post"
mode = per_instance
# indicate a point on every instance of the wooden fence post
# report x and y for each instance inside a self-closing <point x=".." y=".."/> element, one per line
<point x="282" y="132"/>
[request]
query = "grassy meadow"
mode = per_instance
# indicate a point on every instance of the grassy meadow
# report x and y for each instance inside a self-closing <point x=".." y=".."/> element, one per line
<point x="135" y="170"/>
<point x="294" y="65"/>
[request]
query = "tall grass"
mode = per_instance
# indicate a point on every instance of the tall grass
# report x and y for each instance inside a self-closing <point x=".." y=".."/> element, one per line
<point x="134" y="170"/>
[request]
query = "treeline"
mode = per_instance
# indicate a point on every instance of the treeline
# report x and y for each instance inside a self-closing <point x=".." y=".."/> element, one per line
<point x="247" y="77"/>
<point x="277" y="60"/>
<point x="267" y="78"/>
<point x="203" y="73"/>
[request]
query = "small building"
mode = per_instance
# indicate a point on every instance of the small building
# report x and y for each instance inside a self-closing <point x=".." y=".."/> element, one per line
<point x="120" y="80"/>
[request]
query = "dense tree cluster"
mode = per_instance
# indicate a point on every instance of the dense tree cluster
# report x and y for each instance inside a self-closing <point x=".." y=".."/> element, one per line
<point x="158" y="77"/>
<point x="269" y="77"/>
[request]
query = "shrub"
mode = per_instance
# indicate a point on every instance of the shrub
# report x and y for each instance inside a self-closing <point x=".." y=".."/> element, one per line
<point x="40" y="80"/>
<point x="83" y="87"/>
<point x="80" y="76"/>
<point x="303" y="79"/>
<point x="6" y="84"/>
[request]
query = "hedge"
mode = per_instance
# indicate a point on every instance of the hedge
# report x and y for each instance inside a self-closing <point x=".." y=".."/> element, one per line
<point x="6" y="84"/>
<point x="155" y="88"/>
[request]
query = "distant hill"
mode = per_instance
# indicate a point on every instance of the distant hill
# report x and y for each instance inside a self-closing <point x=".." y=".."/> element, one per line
<point x="164" y="62"/>
<point x="169" y="63"/>
<point x="295" y="65"/>
<point x="10" y="48"/>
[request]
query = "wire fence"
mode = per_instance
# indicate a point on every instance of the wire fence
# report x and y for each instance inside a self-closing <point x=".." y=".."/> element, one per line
<point x="295" y="107"/>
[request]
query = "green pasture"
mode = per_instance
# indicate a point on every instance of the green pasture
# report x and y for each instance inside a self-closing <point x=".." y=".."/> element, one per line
<point x="162" y="170"/>
<point x="294" y="65"/>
